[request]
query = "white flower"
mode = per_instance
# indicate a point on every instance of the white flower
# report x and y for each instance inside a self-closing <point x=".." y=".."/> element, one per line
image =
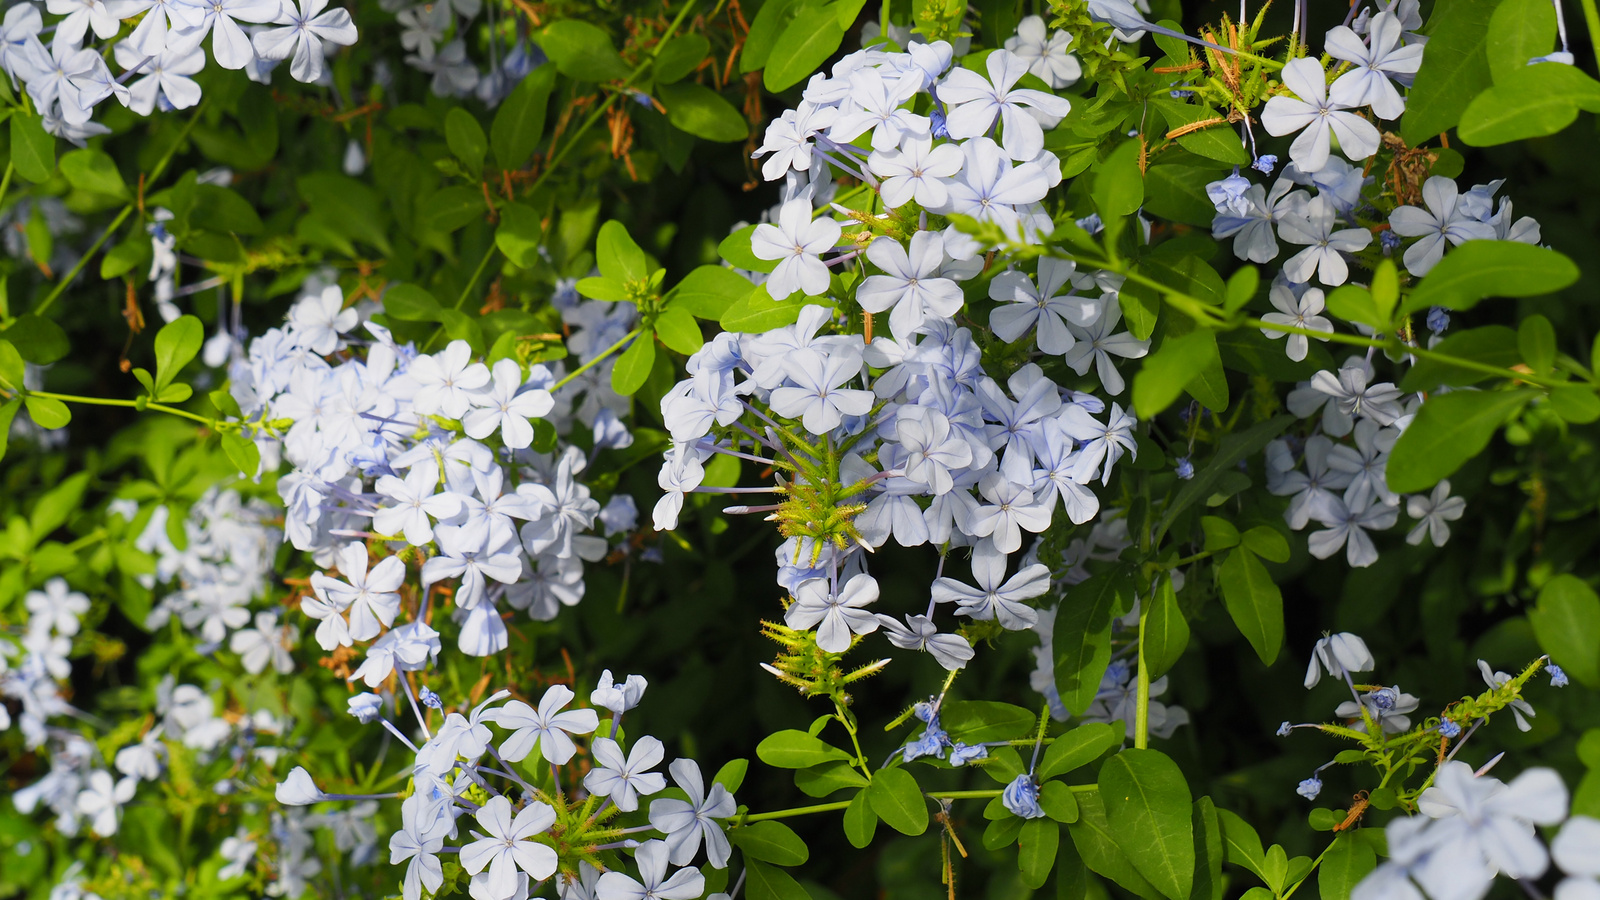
<point x="995" y="597"/>
<point x="58" y="606"/>
<point x="1097" y="344"/>
<point x="1317" y="115"/>
<point x="835" y="616"/>
<point x="507" y="407"/>
<point x="1521" y="710"/>
<point x="1312" y="489"/>
<point x="910" y="285"/>
<point x="1480" y="820"/>
<point x="651" y="857"/>
<point x="686" y="822"/>
<point x="508" y="846"/>
<point x="101" y="801"/>
<point x="298" y="789"/>
<point x="229" y="44"/>
<point x="1577" y="851"/>
<point x="548" y="728"/>
<point x="1368" y="84"/>
<point x="1317" y="226"/>
<point x="1348" y="527"/>
<point x="1444" y="220"/>
<point x="1047" y="58"/>
<point x="1352" y="397"/>
<point x="372" y="597"/>
<point x="816" y="394"/>
<point x="931" y="450"/>
<point x="974" y="103"/>
<point x="81" y="15"/>
<point x="1010" y="509"/>
<point x="264" y="644"/>
<point x="919" y="633"/>
<point x="874" y="102"/>
<point x="1340" y="654"/>
<point x="1042" y="309"/>
<point x="618" y="698"/>
<point x="789" y="139"/>
<point x="167" y="75"/>
<point x="798" y="242"/>
<point x="303" y="37"/>
<point x="988" y="188"/>
<point x="624" y="779"/>
<point x="447" y="380"/>
<point x="416" y="497"/>
<point x="1302" y="311"/>
<point x="425" y="872"/>
<point x="316" y="321"/>
<point x="916" y="171"/>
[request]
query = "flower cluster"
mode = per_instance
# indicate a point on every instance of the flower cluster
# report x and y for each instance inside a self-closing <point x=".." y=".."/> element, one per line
<point x="70" y="78"/>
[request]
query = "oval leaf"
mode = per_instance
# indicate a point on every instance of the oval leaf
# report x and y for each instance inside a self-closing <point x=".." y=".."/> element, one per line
<point x="897" y="800"/>
<point x="1148" y="808"/>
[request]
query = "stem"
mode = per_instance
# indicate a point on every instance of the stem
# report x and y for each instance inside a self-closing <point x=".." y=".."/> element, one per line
<point x="796" y="811"/>
<point x="466" y="291"/>
<point x="1591" y="18"/>
<point x="1141" y="716"/>
<point x="116" y="223"/>
<point x="593" y="362"/>
<point x="107" y="401"/>
<point x="1314" y="863"/>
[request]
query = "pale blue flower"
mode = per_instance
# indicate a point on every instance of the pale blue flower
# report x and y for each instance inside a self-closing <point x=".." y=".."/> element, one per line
<point x="1021" y="796"/>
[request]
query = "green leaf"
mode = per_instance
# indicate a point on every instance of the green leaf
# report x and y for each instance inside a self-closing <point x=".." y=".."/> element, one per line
<point x="1241" y="844"/>
<point x="582" y="51"/>
<point x="1166" y="631"/>
<point x="1479" y="269"/>
<point x="223" y="211"/>
<point x="1449" y="430"/>
<point x="898" y="801"/>
<point x="1531" y="102"/>
<point x="679" y="56"/>
<point x="1178" y="192"/>
<point x="1208" y="851"/>
<point x="1173" y="365"/>
<point x="1519" y="30"/>
<point x="225" y="404"/>
<point x="1242" y="287"/>
<point x="765" y="28"/>
<point x="466" y="139"/>
<point x="703" y="112"/>
<point x="1036" y="850"/>
<point x="1217" y="141"/>
<point x="735" y="248"/>
<point x="765" y="882"/>
<point x="805" y="44"/>
<point x="47" y="412"/>
<point x="124" y="258"/>
<point x="39" y="340"/>
<point x="450" y="209"/>
<point x="981" y="721"/>
<point x="94" y="171"/>
<point x="633" y="366"/>
<point x="608" y="289"/>
<point x="758" y="312"/>
<point x="350" y="208"/>
<point x="1220" y="533"/>
<point x="1455" y="68"/>
<point x="410" y="303"/>
<point x="1233" y="448"/>
<point x="860" y="822"/>
<point x="519" y="124"/>
<point x="1494" y="345"/>
<point x="242" y="452"/>
<point x="1002" y="832"/>
<point x="1354" y="303"/>
<point x="1536" y="340"/>
<point x="822" y="780"/>
<point x="177" y="343"/>
<point x="1058" y="802"/>
<point x="1092" y="837"/>
<point x="772" y="842"/>
<point x="1565" y="621"/>
<point x="1148" y="807"/>
<point x="1254" y="602"/>
<point x="1118" y="185"/>
<point x="618" y="256"/>
<point x="1385" y="290"/>
<point x="732" y="773"/>
<point x="33" y="150"/>
<point x="1268" y="543"/>
<point x="708" y="291"/>
<point x="519" y="234"/>
<point x="1576" y="404"/>
<point x="1081" y="639"/>
<point x="679" y="331"/>
<point x="796" y="750"/>
<point x="1344" y="864"/>
<point x="1077" y="748"/>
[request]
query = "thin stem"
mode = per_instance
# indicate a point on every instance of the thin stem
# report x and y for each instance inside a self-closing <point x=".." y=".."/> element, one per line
<point x="107" y="401"/>
<point x="1314" y="863"/>
<point x="466" y="291"/>
<point x="796" y="811"/>
<point x="1141" y="716"/>
<point x="596" y="361"/>
<point x="116" y="223"/>
<point x="1591" y="18"/>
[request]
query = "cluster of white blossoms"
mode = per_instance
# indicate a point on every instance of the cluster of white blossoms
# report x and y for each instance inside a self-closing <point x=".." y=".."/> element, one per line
<point x="435" y="37"/>
<point x="33" y="667"/>
<point x="70" y="77"/>
<point x="468" y="799"/>
<point x="396" y="448"/>
<point x="908" y="425"/>
<point x="224" y="565"/>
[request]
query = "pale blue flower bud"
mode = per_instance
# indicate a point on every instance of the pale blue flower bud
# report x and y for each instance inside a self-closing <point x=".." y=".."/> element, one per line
<point x="1310" y="788"/>
<point x="1265" y="163"/>
<point x="429" y="699"/>
<point x="1449" y="729"/>
<point x="961" y="754"/>
<point x="1185" y="468"/>
<point x="1021" y="796"/>
<point x="1285" y="729"/>
<point x="365" y="706"/>
<point x="1438" y="320"/>
<point x="1558" y="678"/>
